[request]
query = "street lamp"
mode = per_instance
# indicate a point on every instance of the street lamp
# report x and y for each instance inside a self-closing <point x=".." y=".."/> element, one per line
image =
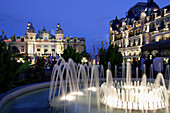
<point x="84" y="60"/>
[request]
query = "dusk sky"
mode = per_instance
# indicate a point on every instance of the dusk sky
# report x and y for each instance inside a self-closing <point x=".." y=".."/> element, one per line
<point x="80" y="18"/>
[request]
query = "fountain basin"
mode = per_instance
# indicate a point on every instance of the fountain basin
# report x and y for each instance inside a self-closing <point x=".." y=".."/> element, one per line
<point x="37" y="102"/>
<point x="22" y="90"/>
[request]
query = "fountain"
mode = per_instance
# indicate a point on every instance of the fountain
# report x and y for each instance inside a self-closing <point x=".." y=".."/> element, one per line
<point x="70" y="83"/>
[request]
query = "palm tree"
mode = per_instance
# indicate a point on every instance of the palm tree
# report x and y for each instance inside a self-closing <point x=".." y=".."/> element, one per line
<point x="9" y="68"/>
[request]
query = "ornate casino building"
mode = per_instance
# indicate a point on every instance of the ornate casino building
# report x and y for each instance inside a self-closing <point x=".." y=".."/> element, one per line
<point x="45" y="44"/>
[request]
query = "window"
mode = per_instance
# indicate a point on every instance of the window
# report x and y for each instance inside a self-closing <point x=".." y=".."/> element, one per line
<point x="75" y="40"/>
<point x="59" y="38"/>
<point x="53" y="50"/>
<point x="22" y="39"/>
<point x="38" y="50"/>
<point x="45" y="50"/>
<point x="22" y="48"/>
<point x="45" y="38"/>
<point x="68" y="40"/>
<point x="31" y="37"/>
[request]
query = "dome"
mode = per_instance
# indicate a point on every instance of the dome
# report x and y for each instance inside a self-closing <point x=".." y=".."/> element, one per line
<point x="151" y="7"/>
<point x="31" y="29"/>
<point x="115" y="24"/>
<point x="59" y="30"/>
<point x="130" y="17"/>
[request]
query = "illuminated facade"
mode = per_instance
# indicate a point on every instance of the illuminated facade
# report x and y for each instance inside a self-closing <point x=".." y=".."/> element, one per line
<point x="145" y="23"/>
<point x="44" y="43"/>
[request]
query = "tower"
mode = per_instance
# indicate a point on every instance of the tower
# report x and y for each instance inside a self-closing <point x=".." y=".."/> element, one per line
<point x="30" y="32"/>
<point x="31" y="37"/>
<point x="59" y="34"/>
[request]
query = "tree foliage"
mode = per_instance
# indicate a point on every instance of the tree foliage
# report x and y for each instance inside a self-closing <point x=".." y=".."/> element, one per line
<point x="110" y="55"/>
<point x="85" y="54"/>
<point x="9" y="68"/>
<point x="70" y="52"/>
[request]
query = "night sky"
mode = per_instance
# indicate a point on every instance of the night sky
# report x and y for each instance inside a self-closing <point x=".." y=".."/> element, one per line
<point x="80" y="18"/>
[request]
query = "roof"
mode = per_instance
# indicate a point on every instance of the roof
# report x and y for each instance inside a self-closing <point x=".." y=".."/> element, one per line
<point x="59" y="30"/>
<point x="164" y="44"/>
<point x="115" y="24"/>
<point x="151" y="7"/>
<point x="31" y="29"/>
<point x="167" y="7"/>
<point x="136" y="9"/>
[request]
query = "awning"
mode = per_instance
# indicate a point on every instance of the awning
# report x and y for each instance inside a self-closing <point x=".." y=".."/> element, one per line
<point x="163" y="47"/>
<point x="164" y="44"/>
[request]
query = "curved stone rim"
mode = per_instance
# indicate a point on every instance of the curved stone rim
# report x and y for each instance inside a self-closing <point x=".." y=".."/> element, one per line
<point x="13" y="93"/>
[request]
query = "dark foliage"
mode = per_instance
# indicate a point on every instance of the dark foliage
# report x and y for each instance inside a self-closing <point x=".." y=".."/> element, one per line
<point x="9" y="68"/>
<point x="110" y="55"/>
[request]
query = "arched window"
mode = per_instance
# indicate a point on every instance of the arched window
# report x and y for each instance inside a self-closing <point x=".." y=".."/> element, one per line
<point x="15" y="49"/>
<point x="22" y="39"/>
<point x="75" y="40"/>
<point x="68" y="40"/>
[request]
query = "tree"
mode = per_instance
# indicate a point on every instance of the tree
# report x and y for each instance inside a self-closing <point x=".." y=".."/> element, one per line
<point x="9" y="68"/>
<point x="103" y="58"/>
<point x="110" y="55"/>
<point x="85" y="54"/>
<point x="71" y="53"/>
<point x="5" y="37"/>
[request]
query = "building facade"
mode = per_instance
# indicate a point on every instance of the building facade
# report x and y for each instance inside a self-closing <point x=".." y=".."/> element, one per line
<point x="144" y="24"/>
<point x="44" y="43"/>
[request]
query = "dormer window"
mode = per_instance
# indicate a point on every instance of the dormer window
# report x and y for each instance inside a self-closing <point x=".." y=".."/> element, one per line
<point x="22" y="39"/>
<point x="31" y="37"/>
<point x="68" y="40"/>
<point x="59" y="38"/>
<point x="45" y="38"/>
<point x="164" y="11"/>
<point x="75" y="40"/>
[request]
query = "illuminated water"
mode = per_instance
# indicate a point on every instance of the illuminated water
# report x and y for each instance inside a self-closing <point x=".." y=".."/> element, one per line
<point x="88" y="92"/>
<point x="141" y="96"/>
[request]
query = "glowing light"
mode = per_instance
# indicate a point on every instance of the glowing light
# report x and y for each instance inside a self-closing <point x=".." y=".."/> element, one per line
<point x="84" y="60"/>
<point x="77" y="93"/>
<point x="20" y="60"/>
<point x="92" y="89"/>
<point x="67" y="97"/>
<point x="168" y="91"/>
<point x="138" y="97"/>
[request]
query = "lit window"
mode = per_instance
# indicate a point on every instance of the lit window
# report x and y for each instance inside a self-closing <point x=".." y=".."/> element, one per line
<point x="22" y="48"/>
